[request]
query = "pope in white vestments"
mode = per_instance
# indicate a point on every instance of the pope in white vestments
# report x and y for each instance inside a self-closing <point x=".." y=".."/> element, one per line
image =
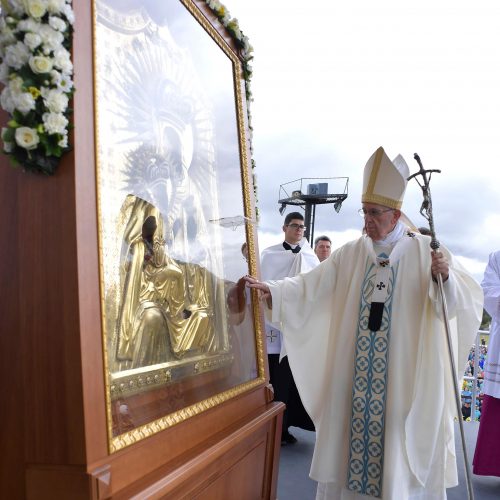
<point x="367" y="347"/>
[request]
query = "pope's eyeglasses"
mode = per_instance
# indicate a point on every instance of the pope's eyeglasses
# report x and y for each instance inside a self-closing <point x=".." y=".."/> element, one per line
<point x="296" y="226"/>
<point x="373" y="212"/>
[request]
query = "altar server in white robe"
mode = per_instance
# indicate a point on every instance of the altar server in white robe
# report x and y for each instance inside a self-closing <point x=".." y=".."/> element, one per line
<point x="487" y="454"/>
<point x="367" y="347"/>
<point x="291" y="257"/>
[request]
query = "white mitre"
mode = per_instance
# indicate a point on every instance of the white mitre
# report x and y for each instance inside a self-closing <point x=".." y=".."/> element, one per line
<point x="384" y="181"/>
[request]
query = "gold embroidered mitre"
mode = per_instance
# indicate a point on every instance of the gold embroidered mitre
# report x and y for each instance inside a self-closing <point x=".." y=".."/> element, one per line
<point x="384" y="181"/>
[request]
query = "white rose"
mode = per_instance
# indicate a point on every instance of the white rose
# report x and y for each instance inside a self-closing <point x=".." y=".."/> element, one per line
<point x="63" y="142"/>
<point x="57" y="23"/>
<point x="55" y="77"/>
<point x="69" y="14"/>
<point x="55" y="6"/>
<point x="4" y="73"/>
<point x="51" y="38"/>
<point x="7" y="36"/>
<point x="29" y="25"/>
<point x="62" y="60"/>
<point x="40" y="64"/>
<point x="237" y="32"/>
<point x="56" y="101"/>
<point x="16" y="7"/>
<point x="17" y="55"/>
<point x="55" y="123"/>
<point x="36" y="8"/>
<point x="16" y="85"/>
<point x="32" y="40"/>
<point x="27" y="137"/>
<point x="246" y="45"/>
<point x="24" y="102"/>
<point x="6" y="100"/>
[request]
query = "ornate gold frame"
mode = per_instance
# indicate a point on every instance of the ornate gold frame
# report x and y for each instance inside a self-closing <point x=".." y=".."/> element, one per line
<point x="214" y="29"/>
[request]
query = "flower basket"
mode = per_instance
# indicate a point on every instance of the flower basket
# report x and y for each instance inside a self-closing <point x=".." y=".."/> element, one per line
<point x="36" y="71"/>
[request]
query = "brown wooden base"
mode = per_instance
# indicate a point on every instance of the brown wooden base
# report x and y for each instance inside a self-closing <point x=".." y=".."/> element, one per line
<point x="239" y="462"/>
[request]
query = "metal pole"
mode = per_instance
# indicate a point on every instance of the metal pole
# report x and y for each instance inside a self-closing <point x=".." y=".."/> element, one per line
<point x="426" y="211"/>
<point x="458" y="402"/>
<point x="313" y="219"/>
<point x="307" y="218"/>
<point x="475" y="365"/>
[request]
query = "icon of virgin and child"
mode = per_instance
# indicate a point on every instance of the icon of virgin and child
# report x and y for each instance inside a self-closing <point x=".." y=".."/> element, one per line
<point x="167" y="307"/>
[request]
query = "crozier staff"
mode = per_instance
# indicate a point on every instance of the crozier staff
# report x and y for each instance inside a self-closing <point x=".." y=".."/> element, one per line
<point x="363" y="333"/>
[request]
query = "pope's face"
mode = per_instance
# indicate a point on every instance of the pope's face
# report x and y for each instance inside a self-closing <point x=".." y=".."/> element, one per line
<point x="379" y="220"/>
<point x="323" y="250"/>
<point x="293" y="232"/>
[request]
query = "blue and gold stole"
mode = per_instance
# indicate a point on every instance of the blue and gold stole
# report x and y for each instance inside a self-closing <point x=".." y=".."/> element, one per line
<point x="366" y="447"/>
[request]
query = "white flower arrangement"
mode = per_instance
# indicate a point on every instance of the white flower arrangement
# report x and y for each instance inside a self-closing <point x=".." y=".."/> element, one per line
<point x="246" y="52"/>
<point x="231" y="24"/>
<point x="36" y="71"/>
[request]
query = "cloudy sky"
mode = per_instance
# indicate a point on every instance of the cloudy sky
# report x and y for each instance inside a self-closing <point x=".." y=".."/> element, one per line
<point x="335" y="80"/>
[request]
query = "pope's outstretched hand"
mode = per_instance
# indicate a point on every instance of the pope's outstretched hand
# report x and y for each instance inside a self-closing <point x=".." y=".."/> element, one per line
<point x="264" y="292"/>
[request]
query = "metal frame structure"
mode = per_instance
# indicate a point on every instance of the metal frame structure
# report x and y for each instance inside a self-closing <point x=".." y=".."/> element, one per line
<point x="295" y="193"/>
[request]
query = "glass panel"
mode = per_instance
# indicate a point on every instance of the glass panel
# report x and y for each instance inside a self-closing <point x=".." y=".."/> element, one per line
<point x="171" y="216"/>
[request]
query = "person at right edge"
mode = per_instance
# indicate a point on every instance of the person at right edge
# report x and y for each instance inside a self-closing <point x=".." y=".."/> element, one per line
<point x="487" y="455"/>
<point x="366" y="343"/>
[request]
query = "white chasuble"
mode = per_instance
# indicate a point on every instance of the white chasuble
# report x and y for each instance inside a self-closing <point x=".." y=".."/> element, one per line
<point x="321" y="314"/>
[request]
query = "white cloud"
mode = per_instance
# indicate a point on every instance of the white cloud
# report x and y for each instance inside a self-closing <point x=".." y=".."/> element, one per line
<point x="335" y="80"/>
<point x="475" y="267"/>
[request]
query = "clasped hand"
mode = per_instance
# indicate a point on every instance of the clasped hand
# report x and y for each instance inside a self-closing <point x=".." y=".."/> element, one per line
<point x="439" y="265"/>
<point x="263" y="289"/>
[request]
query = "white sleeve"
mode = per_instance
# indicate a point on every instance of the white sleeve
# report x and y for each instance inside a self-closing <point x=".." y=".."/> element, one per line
<point x="491" y="285"/>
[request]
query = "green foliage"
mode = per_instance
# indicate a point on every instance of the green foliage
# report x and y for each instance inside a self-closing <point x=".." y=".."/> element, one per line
<point x="486" y="321"/>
